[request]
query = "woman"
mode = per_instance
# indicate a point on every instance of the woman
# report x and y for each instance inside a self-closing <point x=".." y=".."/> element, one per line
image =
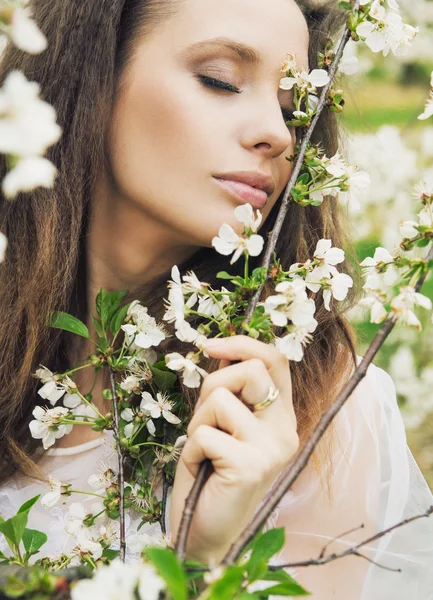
<point x="160" y="102"/>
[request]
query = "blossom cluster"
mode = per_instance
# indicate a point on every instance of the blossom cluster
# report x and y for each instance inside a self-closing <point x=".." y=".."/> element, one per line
<point x="382" y="28"/>
<point x="383" y="272"/>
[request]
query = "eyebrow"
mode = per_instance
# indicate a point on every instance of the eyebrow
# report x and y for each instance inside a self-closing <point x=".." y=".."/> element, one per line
<point x="246" y="53"/>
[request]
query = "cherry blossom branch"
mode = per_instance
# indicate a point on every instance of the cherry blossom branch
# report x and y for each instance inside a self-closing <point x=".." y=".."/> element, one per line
<point x="206" y="467"/>
<point x="284" y="483"/>
<point x="296" y="169"/>
<point x="120" y="479"/>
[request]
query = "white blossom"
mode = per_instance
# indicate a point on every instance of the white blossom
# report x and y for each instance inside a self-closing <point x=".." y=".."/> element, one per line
<point x="145" y="332"/>
<point x="27" y="123"/>
<point x="245" y="214"/>
<point x="129" y="415"/>
<point x="53" y="388"/>
<point x="25" y="34"/>
<point x="130" y="384"/>
<point x="191" y="372"/>
<point x="408" y="229"/>
<point x="304" y="81"/>
<point x="428" y="109"/>
<point x="386" y="31"/>
<point x="403" y="305"/>
<point x="29" y="173"/>
<point x="57" y="489"/>
<point x="379" y="269"/>
<point x="46" y="425"/>
<point x="228" y="242"/>
<point x="337" y="287"/>
<point x="290" y="304"/>
<point x="103" y="479"/>
<point x="119" y="581"/>
<point x="292" y="344"/>
<point x="375" y="301"/>
<point x="160" y="406"/>
<point x="327" y="254"/>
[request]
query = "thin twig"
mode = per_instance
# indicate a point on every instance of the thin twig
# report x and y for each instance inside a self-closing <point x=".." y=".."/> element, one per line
<point x="322" y="560"/>
<point x="354" y="549"/>
<point x="165" y="485"/>
<point x="285" y="482"/>
<point x="206" y="468"/>
<point x="120" y="477"/>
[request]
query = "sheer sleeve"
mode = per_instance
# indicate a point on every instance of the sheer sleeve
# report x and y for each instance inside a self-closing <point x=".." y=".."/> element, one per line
<point x="374" y="481"/>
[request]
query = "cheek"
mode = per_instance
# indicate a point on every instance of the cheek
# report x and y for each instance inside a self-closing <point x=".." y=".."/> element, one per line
<point x="152" y="126"/>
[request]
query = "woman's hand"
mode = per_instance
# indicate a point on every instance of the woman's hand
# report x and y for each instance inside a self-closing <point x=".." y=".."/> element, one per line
<point x="248" y="450"/>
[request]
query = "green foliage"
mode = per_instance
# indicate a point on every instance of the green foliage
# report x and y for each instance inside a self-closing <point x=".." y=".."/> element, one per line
<point x="66" y="322"/>
<point x="170" y="569"/>
<point x="107" y="304"/>
<point x="163" y="377"/>
<point x="33" y="540"/>
<point x="16" y="532"/>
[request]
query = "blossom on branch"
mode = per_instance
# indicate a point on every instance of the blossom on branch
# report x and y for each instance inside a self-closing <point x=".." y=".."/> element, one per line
<point x="191" y="372"/>
<point x="48" y="426"/>
<point x="403" y="305"/>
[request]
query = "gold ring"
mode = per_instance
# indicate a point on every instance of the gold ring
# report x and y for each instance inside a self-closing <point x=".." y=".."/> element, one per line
<point x="270" y="399"/>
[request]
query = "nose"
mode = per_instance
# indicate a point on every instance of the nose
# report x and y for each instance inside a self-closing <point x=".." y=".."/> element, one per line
<point x="265" y="130"/>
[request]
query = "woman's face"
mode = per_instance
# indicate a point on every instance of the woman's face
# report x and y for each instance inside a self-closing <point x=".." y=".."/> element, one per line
<point x="175" y="129"/>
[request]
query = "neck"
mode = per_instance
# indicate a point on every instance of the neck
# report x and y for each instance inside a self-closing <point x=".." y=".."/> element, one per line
<point x="126" y="248"/>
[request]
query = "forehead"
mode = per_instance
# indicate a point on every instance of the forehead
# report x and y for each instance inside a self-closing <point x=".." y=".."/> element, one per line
<point x="272" y="27"/>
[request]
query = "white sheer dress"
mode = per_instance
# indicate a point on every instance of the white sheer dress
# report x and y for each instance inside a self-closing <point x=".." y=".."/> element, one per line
<point x="375" y="482"/>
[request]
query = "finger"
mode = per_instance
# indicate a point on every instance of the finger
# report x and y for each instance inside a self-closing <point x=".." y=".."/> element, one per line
<point x="231" y="458"/>
<point x="222" y="410"/>
<point x="241" y="347"/>
<point x="250" y="381"/>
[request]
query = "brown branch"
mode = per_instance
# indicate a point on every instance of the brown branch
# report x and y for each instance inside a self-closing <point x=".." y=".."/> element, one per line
<point x="120" y="477"/>
<point x="294" y="175"/>
<point x="284" y="483"/>
<point x="206" y="467"/>
<point x="322" y="560"/>
<point x="354" y="549"/>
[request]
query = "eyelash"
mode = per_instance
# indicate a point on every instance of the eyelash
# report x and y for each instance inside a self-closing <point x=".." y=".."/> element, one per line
<point x="211" y="82"/>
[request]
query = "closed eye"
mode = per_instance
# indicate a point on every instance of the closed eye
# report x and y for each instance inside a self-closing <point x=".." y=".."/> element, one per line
<point x="212" y="82"/>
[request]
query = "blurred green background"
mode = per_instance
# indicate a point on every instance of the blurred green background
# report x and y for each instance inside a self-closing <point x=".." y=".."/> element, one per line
<point x="384" y="137"/>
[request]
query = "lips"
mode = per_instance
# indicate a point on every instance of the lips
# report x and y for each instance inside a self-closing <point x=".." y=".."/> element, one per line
<point x="248" y="186"/>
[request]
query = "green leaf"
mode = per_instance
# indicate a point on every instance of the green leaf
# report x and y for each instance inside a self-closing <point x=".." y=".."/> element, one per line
<point x="118" y="319"/>
<point x="266" y="546"/>
<point x="107" y="303"/>
<point x="257" y="570"/>
<point x="165" y="380"/>
<point x="14" y="527"/>
<point x="170" y="569"/>
<point x="98" y="327"/>
<point x="33" y="540"/>
<point x="226" y="587"/>
<point x="284" y="589"/>
<point x="422" y="243"/>
<point x="28" y="504"/>
<point x="224" y="275"/>
<point x="110" y="554"/>
<point x="16" y="588"/>
<point x="66" y="322"/>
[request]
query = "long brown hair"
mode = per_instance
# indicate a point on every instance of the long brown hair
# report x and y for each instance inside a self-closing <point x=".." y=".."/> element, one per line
<point x="90" y="44"/>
